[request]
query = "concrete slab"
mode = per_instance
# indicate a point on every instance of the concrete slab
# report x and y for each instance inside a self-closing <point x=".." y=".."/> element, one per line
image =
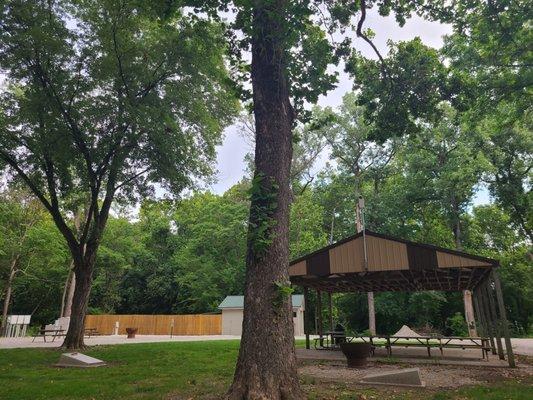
<point x="411" y="356"/>
<point x="78" y="360"/>
<point x="409" y="377"/>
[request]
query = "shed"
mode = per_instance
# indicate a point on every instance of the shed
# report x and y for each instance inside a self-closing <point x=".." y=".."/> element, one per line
<point x="232" y="308"/>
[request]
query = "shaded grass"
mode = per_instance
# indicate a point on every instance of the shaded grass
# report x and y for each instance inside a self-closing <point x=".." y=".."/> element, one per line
<point x="183" y="370"/>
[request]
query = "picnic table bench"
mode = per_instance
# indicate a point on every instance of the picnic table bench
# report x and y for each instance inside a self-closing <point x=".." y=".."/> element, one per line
<point x="49" y="332"/>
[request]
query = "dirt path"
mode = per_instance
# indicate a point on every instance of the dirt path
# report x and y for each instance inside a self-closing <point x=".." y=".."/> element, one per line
<point x="435" y="376"/>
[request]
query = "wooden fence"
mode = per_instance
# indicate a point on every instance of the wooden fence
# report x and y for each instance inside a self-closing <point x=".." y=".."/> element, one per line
<point x="157" y="324"/>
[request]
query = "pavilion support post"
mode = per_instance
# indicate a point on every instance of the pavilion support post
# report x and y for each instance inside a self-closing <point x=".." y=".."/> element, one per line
<point x="306" y="318"/>
<point x="480" y="322"/>
<point x="494" y="321"/>
<point x="503" y="319"/>
<point x="482" y="315"/>
<point x="484" y="305"/>
<point x="319" y="313"/>
<point x="330" y="310"/>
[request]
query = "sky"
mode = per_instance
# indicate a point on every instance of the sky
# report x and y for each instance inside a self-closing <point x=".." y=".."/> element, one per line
<point x="230" y="156"/>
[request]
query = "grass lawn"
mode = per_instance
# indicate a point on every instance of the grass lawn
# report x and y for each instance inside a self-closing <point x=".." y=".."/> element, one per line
<point x="180" y="370"/>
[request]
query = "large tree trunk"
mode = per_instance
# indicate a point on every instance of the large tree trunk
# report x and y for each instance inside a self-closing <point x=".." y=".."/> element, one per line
<point x="7" y="297"/>
<point x="266" y="367"/>
<point x="82" y="290"/>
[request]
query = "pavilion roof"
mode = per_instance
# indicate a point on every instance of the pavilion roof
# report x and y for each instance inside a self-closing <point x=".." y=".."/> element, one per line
<point x="377" y="262"/>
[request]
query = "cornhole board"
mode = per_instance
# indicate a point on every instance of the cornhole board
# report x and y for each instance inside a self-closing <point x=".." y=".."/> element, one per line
<point x="405" y="377"/>
<point x="78" y="360"/>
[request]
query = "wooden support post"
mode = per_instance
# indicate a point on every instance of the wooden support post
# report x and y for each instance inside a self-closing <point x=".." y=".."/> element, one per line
<point x="494" y="321"/>
<point x="306" y="318"/>
<point x="330" y="306"/>
<point x="480" y="322"/>
<point x="484" y="304"/>
<point x="319" y="313"/>
<point x="503" y="319"/>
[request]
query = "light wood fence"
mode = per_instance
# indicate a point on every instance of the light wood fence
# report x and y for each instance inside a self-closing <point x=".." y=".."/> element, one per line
<point x="157" y="324"/>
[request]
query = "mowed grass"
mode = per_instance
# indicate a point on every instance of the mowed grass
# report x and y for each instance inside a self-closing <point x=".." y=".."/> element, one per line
<point x="184" y="370"/>
<point x="134" y="371"/>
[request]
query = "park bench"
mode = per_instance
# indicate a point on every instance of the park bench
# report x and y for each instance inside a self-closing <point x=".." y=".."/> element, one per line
<point x="50" y="332"/>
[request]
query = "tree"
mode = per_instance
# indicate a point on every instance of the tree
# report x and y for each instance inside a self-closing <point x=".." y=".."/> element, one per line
<point x="33" y="258"/>
<point x="19" y="213"/>
<point x="209" y="261"/>
<point x="107" y="98"/>
<point x="490" y="63"/>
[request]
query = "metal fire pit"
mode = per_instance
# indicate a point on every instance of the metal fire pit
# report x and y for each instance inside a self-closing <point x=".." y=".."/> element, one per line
<point x="356" y="353"/>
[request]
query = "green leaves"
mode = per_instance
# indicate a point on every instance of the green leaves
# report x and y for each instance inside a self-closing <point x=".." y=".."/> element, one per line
<point x="411" y="90"/>
<point x="263" y="196"/>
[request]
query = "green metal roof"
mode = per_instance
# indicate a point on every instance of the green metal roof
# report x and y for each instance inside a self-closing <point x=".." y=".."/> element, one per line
<point x="238" y="301"/>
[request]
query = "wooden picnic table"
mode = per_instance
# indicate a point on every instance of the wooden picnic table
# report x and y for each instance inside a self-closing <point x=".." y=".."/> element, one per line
<point x="428" y="342"/>
<point x="49" y="332"/>
<point x="331" y="340"/>
<point x="91" y="332"/>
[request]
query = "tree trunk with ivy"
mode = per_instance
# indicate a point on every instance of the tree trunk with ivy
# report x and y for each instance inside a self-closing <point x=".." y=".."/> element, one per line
<point x="266" y="367"/>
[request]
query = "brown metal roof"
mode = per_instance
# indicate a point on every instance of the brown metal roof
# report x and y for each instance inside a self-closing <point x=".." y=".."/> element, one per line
<point x="378" y="262"/>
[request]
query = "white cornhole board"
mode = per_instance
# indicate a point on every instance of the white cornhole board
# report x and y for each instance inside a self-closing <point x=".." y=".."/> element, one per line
<point x="405" y="377"/>
<point x="78" y="360"/>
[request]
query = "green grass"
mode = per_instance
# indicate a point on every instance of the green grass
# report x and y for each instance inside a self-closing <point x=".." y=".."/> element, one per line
<point x="134" y="371"/>
<point x="181" y="370"/>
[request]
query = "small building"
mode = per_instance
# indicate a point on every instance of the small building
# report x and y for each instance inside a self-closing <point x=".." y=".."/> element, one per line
<point x="232" y="308"/>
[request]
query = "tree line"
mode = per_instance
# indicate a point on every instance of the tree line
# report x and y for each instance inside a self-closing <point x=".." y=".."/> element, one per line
<point x="185" y="256"/>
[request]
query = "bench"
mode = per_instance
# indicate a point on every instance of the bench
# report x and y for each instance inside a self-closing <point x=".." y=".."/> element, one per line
<point x="49" y="332"/>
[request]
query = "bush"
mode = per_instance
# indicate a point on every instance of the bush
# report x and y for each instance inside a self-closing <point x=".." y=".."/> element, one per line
<point x="456" y="325"/>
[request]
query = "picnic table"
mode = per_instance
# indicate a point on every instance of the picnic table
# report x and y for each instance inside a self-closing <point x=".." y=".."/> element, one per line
<point x="331" y="340"/>
<point x="429" y="342"/>
<point x="49" y="332"/>
<point x="89" y="332"/>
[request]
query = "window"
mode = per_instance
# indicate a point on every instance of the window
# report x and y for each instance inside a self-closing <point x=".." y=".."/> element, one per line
<point x="294" y="314"/>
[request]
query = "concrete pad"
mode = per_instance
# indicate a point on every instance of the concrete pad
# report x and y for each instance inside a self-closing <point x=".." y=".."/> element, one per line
<point x="409" y="377"/>
<point x="78" y="360"/>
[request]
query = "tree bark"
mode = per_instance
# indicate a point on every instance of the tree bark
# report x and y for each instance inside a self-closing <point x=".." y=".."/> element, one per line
<point x="7" y="297"/>
<point x="266" y="366"/>
<point x="80" y="300"/>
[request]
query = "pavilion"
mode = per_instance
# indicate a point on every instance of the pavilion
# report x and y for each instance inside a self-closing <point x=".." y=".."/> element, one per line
<point x="374" y="262"/>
